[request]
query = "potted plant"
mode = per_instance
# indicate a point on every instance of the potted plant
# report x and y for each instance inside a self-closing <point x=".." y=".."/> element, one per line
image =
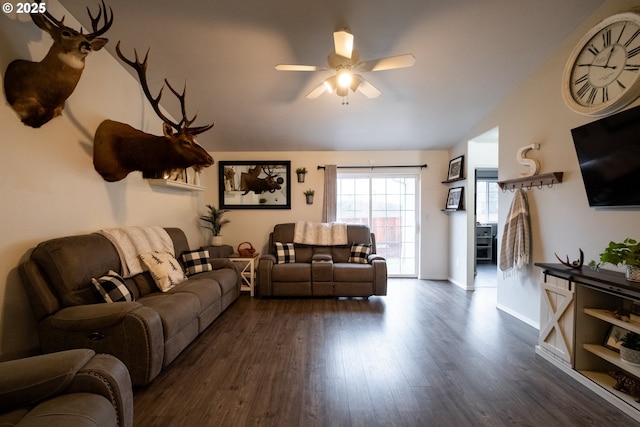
<point x="630" y="348"/>
<point x="626" y="253"/>
<point x="214" y="222"/>
<point x="301" y="172"/>
<point x="309" y="194"/>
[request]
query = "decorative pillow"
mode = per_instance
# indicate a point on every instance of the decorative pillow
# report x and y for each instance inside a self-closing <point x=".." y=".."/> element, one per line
<point x="196" y="262"/>
<point x="360" y="253"/>
<point x="285" y="253"/>
<point x="164" y="269"/>
<point x="112" y="288"/>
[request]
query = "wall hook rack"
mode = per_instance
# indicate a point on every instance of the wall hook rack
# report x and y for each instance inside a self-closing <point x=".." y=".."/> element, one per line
<point x="529" y="182"/>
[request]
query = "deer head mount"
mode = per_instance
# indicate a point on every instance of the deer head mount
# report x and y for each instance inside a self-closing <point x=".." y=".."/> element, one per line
<point x="119" y="149"/>
<point x="37" y="91"/>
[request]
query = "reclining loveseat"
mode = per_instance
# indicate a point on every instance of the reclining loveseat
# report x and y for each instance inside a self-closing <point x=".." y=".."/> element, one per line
<point x="146" y="328"/>
<point x="349" y="269"/>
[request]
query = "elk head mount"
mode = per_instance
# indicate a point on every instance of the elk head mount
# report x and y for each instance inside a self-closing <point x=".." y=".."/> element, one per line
<point x="37" y="91"/>
<point x="119" y="149"/>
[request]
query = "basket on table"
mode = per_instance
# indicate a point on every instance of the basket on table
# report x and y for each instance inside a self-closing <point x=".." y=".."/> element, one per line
<point x="246" y="252"/>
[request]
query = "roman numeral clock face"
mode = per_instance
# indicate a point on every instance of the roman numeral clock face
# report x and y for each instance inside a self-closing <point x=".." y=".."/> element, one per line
<point x="603" y="72"/>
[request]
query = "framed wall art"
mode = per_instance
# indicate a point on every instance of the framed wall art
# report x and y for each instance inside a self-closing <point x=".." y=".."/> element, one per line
<point x="455" y="169"/>
<point x="254" y="184"/>
<point x="454" y="199"/>
<point x="614" y="337"/>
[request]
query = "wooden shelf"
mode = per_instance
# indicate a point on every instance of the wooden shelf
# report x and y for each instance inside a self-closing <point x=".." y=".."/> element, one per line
<point x="449" y="181"/>
<point x="175" y="184"/>
<point x="612" y="357"/>
<point x="452" y="210"/>
<point x="535" y="181"/>
<point x="609" y="317"/>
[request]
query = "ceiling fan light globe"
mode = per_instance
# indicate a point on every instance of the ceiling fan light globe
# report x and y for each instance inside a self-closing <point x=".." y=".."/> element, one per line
<point x="344" y="78"/>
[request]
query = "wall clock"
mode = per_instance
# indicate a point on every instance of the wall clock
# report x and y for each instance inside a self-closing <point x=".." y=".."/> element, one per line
<point x="602" y="74"/>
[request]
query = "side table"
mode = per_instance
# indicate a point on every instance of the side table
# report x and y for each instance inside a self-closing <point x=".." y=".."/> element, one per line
<point x="247" y="272"/>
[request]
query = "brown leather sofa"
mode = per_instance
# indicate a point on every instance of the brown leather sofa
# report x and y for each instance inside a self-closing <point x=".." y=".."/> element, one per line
<point x="146" y="334"/>
<point x="322" y="271"/>
<point x="69" y="388"/>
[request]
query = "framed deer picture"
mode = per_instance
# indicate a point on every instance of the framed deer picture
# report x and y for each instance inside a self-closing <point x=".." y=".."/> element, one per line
<point x="254" y="184"/>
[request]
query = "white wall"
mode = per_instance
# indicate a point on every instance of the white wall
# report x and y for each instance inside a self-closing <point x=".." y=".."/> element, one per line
<point x="254" y="225"/>
<point x="50" y="188"/>
<point x="562" y="221"/>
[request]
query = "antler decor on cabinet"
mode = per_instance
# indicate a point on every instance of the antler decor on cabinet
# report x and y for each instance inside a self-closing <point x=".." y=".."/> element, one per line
<point x="37" y="91"/>
<point x="120" y="149"/>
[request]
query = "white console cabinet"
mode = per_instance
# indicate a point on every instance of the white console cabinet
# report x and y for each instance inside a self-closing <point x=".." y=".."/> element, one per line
<point x="577" y="313"/>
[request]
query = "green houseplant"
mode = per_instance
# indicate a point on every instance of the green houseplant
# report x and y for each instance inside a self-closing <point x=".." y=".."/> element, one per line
<point x="626" y="253"/>
<point x="214" y="221"/>
<point x="630" y="348"/>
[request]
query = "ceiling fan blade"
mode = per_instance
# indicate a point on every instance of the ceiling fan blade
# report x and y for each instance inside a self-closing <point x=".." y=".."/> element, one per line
<point x="328" y="85"/>
<point x="343" y="42"/>
<point x="293" y="67"/>
<point x="366" y="88"/>
<point x="390" y="63"/>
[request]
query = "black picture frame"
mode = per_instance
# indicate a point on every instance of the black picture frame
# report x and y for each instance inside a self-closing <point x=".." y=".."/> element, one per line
<point x="455" y="169"/>
<point x="614" y="337"/>
<point x="454" y="199"/>
<point x="257" y="184"/>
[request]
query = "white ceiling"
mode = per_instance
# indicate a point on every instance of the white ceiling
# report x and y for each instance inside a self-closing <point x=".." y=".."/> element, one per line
<point x="469" y="54"/>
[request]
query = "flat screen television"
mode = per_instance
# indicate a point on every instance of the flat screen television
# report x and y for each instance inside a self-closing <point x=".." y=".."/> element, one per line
<point x="609" y="155"/>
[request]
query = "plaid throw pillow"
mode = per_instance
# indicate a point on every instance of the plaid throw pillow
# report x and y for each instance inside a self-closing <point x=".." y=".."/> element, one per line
<point x="112" y="288"/>
<point x="360" y="253"/>
<point x="196" y="262"/>
<point x="285" y="253"/>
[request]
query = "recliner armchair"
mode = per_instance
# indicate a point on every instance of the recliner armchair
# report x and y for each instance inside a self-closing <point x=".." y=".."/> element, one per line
<point x="69" y="388"/>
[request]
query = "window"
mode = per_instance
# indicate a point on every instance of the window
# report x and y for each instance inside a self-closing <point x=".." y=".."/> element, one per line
<point x="388" y="205"/>
<point x="486" y="201"/>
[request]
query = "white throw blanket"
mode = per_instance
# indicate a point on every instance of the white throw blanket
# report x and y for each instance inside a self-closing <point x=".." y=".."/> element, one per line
<point x="516" y="237"/>
<point x="320" y="233"/>
<point x="130" y="242"/>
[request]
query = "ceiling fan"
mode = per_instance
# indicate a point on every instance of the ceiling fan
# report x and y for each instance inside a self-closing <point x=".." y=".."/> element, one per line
<point x="346" y="61"/>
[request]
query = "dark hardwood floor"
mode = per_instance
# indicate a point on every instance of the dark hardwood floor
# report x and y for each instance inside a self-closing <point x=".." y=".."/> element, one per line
<point x="428" y="354"/>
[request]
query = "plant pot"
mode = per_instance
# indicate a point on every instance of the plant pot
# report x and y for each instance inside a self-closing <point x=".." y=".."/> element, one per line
<point x="216" y="241"/>
<point x="309" y="200"/>
<point x="629" y="355"/>
<point x="632" y="273"/>
<point x="301" y="177"/>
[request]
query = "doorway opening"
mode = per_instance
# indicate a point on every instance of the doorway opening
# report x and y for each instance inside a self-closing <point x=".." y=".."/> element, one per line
<point x="483" y="222"/>
<point x="486" y="230"/>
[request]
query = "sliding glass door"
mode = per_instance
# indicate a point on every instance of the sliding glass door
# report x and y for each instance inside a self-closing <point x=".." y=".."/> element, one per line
<point x="388" y="204"/>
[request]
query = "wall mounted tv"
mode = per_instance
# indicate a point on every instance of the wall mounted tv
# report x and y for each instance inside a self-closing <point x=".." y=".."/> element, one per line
<point x="609" y="155"/>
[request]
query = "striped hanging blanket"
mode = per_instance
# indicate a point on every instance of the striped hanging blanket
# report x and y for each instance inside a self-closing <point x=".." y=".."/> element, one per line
<point x="516" y="237"/>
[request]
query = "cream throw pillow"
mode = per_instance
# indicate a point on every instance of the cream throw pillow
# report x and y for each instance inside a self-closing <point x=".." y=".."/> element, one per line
<point x="164" y="268"/>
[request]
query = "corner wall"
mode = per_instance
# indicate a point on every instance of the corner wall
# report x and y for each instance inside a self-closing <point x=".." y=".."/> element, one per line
<point x="49" y="186"/>
<point x="561" y="219"/>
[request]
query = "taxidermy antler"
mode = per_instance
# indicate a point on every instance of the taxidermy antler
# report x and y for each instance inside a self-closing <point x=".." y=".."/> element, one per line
<point x="119" y="149"/>
<point x="575" y="264"/>
<point x="37" y="91"/>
